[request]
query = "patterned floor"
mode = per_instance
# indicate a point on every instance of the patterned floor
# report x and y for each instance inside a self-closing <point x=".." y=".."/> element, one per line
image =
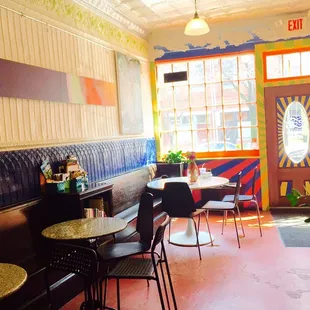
<point x="263" y="274"/>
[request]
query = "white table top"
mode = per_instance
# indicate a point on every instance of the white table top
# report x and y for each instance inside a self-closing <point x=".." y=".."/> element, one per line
<point x="201" y="183"/>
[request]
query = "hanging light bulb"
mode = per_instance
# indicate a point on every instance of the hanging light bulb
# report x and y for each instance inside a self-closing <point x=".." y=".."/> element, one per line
<point x="197" y="26"/>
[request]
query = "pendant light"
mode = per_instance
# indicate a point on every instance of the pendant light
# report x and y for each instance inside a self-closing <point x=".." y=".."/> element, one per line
<point x="197" y="26"/>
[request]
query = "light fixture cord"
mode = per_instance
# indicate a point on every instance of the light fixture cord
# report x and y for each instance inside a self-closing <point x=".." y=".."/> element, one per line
<point x="196" y="14"/>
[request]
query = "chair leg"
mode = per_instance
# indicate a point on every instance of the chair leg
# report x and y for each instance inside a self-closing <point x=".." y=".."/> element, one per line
<point x="164" y="282"/>
<point x="159" y="288"/>
<point x="169" y="233"/>
<point x="147" y="280"/>
<point x="169" y="277"/>
<point x="233" y="212"/>
<point x="118" y="295"/>
<point x="258" y="216"/>
<point x="197" y="238"/>
<point x="223" y="222"/>
<point x="226" y="217"/>
<point x="240" y="220"/>
<point x="199" y="222"/>
<point x="208" y="227"/>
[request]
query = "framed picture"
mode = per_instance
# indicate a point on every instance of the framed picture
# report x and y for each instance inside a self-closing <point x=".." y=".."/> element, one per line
<point x="129" y="94"/>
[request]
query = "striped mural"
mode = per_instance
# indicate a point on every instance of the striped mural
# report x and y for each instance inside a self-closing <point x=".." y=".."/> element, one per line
<point x="282" y="104"/>
<point x="285" y="188"/>
<point x="260" y="86"/>
<point x="229" y="168"/>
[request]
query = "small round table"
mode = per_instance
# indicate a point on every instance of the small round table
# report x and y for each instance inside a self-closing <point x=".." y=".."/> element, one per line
<point x="86" y="228"/>
<point x="188" y="237"/>
<point x="12" y="278"/>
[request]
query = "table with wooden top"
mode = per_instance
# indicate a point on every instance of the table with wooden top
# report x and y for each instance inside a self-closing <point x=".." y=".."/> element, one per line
<point x="12" y="278"/>
<point x="188" y="237"/>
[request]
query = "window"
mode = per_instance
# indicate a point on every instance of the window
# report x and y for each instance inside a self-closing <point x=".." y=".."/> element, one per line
<point x="287" y="64"/>
<point x="214" y="110"/>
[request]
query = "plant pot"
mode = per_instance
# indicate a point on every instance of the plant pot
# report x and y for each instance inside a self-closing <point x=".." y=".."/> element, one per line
<point x="171" y="170"/>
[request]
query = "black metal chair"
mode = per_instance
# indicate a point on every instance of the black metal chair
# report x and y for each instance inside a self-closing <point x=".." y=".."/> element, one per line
<point x="178" y="202"/>
<point x="145" y="268"/>
<point x="224" y="206"/>
<point x="109" y="252"/>
<point x="248" y="198"/>
<point x="80" y="261"/>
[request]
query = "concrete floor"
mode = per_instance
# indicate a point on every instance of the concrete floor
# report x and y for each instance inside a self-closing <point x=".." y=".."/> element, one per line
<point x="263" y="274"/>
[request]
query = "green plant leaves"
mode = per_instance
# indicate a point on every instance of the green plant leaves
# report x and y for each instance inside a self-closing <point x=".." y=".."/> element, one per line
<point x="174" y="157"/>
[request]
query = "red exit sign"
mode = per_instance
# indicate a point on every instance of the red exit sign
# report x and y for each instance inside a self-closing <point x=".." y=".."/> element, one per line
<point x="295" y="24"/>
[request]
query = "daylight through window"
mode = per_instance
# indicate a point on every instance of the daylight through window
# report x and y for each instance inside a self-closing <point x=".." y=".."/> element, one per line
<point x="213" y="110"/>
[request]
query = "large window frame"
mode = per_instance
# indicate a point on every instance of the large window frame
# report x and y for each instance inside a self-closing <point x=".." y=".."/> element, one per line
<point x="218" y="153"/>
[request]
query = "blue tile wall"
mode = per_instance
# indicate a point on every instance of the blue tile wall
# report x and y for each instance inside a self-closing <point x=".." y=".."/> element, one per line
<point x="19" y="170"/>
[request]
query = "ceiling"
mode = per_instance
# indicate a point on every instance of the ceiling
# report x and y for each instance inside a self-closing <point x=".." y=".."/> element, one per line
<point x="141" y="16"/>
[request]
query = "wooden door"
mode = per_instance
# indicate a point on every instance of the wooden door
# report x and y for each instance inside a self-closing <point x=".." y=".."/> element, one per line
<point x="287" y="110"/>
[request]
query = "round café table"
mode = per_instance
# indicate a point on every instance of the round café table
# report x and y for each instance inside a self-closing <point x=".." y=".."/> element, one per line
<point x="188" y="237"/>
<point x="12" y="278"/>
<point x="86" y="228"/>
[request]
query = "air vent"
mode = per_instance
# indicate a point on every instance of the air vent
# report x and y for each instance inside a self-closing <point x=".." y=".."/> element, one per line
<point x="175" y="77"/>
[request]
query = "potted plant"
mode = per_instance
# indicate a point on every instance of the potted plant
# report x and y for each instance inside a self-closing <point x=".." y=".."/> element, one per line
<point x="297" y="199"/>
<point x="172" y="164"/>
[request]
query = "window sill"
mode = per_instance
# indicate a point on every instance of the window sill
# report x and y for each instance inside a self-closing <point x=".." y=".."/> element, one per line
<point x="227" y="154"/>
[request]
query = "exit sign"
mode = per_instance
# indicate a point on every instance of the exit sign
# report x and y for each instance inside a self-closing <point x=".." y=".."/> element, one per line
<point x="295" y="24"/>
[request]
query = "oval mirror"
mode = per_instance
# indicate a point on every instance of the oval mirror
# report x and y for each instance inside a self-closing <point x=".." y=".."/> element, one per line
<point x="295" y="131"/>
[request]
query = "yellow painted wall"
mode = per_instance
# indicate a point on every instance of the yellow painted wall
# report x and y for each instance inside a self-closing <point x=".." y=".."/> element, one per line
<point x="261" y="85"/>
<point x="29" y="123"/>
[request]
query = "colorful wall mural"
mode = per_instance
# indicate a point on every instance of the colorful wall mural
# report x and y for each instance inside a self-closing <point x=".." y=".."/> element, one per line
<point x="224" y="37"/>
<point x="23" y="81"/>
<point x="229" y="168"/>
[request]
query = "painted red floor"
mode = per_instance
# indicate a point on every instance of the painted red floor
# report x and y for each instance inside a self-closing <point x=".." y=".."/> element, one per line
<point x="263" y="274"/>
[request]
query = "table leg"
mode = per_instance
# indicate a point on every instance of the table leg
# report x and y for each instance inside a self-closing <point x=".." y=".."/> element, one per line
<point x="188" y="237"/>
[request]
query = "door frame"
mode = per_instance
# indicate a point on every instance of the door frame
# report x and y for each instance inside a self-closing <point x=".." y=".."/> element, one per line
<point x="270" y="95"/>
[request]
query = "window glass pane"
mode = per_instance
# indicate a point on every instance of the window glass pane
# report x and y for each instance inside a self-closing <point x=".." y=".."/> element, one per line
<point x="250" y="138"/>
<point x="247" y="91"/>
<point x="197" y="94"/>
<point x="184" y="141"/>
<point x="214" y="94"/>
<point x="196" y="72"/>
<point x="305" y="63"/>
<point x="165" y="98"/>
<point x="161" y="69"/>
<point x="199" y="118"/>
<point x="248" y="115"/>
<point x="231" y="115"/>
<point x="230" y="93"/>
<point x="200" y="141"/>
<point x="177" y="67"/>
<point x="216" y="140"/>
<point x="274" y="67"/>
<point x="233" y="139"/>
<point x="181" y="97"/>
<point x="183" y="120"/>
<point x="295" y="132"/>
<point x="213" y="70"/>
<point x="229" y="69"/>
<point x="168" y="142"/>
<point x="246" y="67"/>
<point x="291" y="63"/>
<point x="215" y="117"/>
<point x="167" y="121"/>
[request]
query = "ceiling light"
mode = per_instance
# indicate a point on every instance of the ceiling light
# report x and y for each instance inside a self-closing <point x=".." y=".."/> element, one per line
<point x="197" y="26"/>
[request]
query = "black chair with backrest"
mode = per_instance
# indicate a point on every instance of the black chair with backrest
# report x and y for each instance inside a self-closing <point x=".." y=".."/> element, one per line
<point x="78" y="260"/>
<point x="178" y="202"/>
<point x="224" y="206"/>
<point x="248" y="198"/>
<point x="109" y="252"/>
<point x="146" y="268"/>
